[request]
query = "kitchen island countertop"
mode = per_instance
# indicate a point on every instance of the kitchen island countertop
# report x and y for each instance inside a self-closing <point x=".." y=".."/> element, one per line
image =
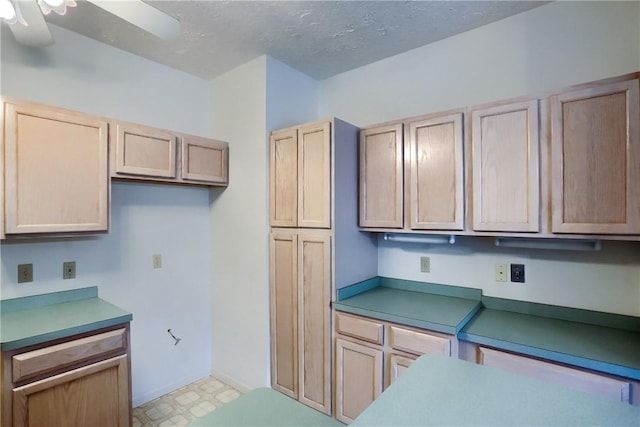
<point x="442" y="391"/>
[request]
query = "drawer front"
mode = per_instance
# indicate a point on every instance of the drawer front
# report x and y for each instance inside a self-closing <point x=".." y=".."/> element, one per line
<point x="357" y="327"/>
<point x="56" y="357"/>
<point x="573" y="378"/>
<point x="418" y="343"/>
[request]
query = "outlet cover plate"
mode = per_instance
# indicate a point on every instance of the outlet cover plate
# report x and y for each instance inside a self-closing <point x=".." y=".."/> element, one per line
<point x="25" y="273"/>
<point x="501" y="272"/>
<point x="69" y="270"/>
<point x="425" y="264"/>
<point x="517" y="273"/>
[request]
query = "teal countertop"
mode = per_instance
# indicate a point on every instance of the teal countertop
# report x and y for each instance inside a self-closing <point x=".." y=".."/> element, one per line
<point x="609" y="349"/>
<point x="441" y="391"/>
<point x="423" y="305"/>
<point x="265" y="407"/>
<point x="36" y="319"/>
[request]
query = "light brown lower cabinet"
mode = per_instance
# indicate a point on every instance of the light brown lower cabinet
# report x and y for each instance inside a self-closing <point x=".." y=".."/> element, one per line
<point x="80" y="381"/>
<point x="589" y="382"/>
<point x="372" y="354"/>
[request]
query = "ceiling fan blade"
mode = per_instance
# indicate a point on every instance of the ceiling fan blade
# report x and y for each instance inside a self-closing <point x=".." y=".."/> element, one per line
<point x="36" y="33"/>
<point x="142" y="15"/>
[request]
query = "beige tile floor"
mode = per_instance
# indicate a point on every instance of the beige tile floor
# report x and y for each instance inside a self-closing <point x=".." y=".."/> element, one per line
<point x="184" y="405"/>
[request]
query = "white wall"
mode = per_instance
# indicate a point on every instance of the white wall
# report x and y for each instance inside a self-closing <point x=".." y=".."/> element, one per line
<point x="248" y="102"/>
<point x="84" y="75"/>
<point x="546" y="48"/>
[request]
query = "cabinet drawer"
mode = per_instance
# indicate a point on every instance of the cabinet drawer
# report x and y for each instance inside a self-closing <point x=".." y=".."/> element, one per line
<point x="569" y="377"/>
<point x="56" y="357"/>
<point x="417" y="342"/>
<point x="358" y="327"/>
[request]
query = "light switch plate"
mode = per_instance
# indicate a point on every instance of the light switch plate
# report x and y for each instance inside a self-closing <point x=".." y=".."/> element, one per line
<point x="25" y="273"/>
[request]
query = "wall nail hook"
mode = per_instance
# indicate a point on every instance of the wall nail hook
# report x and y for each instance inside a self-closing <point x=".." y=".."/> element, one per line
<point x="177" y="340"/>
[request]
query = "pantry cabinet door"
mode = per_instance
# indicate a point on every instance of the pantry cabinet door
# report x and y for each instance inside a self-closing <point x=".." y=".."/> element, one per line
<point x="283" y="284"/>
<point x="595" y="137"/>
<point x="314" y="314"/>
<point x="359" y="370"/>
<point x="314" y="176"/>
<point x="283" y="180"/>
<point x="144" y="151"/>
<point x="56" y="176"/>
<point x="204" y="160"/>
<point x="506" y="164"/>
<point x="381" y="167"/>
<point x="437" y="178"/>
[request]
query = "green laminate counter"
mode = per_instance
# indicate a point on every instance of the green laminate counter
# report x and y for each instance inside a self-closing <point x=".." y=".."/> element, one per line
<point x="264" y="407"/>
<point x="33" y="320"/>
<point x="439" y="308"/>
<point x="611" y="350"/>
<point x="441" y="391"/>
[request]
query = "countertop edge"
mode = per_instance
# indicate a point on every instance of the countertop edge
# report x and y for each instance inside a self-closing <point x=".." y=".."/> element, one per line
<point x="65" y="333"/>
<point x="554" y="356"/>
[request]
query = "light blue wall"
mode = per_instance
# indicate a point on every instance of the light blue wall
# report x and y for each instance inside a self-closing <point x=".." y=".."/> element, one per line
<point x="248" y="102"/>
<point x="81" y="74"/>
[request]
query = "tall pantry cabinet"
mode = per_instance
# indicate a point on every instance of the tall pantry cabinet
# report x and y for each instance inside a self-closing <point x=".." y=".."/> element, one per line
<point x="314" y="247"/>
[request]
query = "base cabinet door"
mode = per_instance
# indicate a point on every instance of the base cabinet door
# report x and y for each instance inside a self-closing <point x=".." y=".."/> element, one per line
<point x="94" y="395"/>
<point x="359" y="371"/>
<point x="397" y="365"/>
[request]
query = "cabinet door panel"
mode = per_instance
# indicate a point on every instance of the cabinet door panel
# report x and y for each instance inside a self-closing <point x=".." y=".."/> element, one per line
<point x="314" y="174"/>
<point x="56" y="176"/>
<point x="283" y="201"/>
<point x="506" y="188"/>
<point x="314" y="278"/>
<point x="284" y="313"/>
<point x="596" y="160"/>
<point x="437" y="199"/>
<point x="358" y="378"/>
<point x="145" y="151"/>
<point x="99" y="392"/>
<point x="381" y="177"/>
<point x="205" y="160"/>
<point x="398" y="365"/>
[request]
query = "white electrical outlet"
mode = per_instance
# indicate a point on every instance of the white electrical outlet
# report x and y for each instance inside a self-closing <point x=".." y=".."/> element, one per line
<point x="501" y="272"/>
<point x="425" y="264"/>
<point x="157" y="261"/>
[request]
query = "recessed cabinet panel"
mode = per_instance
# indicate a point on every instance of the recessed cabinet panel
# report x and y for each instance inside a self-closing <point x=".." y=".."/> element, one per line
<point x="205" y="160"/>
<point x="398" y="365"/>
<point x="436" y="190"/>
<point x="283" y="169"/>
<point x="381" y="177"/>
<point x="55" y="165"/>
<point x="314" y="278"/>
<point x="144" y="151"/>
<point x="284" y="312"/>
<point x="596" y="160"/>
<point x="505" y="148"/>
<point x="314" y="173"/>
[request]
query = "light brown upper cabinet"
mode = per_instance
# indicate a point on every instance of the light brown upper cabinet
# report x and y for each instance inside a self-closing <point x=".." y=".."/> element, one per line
<point x="381" y="177"/>
<point x="56" y="178"/>
<point x="300" y="176"/>
<point x="506" y="163"/>
<point x="595" y="147"/>
<point x="436" y="173"/>
<point x="146" y="153"/>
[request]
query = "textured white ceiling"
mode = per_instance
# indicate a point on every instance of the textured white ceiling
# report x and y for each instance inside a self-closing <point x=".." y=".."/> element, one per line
<point x="319" y="38"/>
